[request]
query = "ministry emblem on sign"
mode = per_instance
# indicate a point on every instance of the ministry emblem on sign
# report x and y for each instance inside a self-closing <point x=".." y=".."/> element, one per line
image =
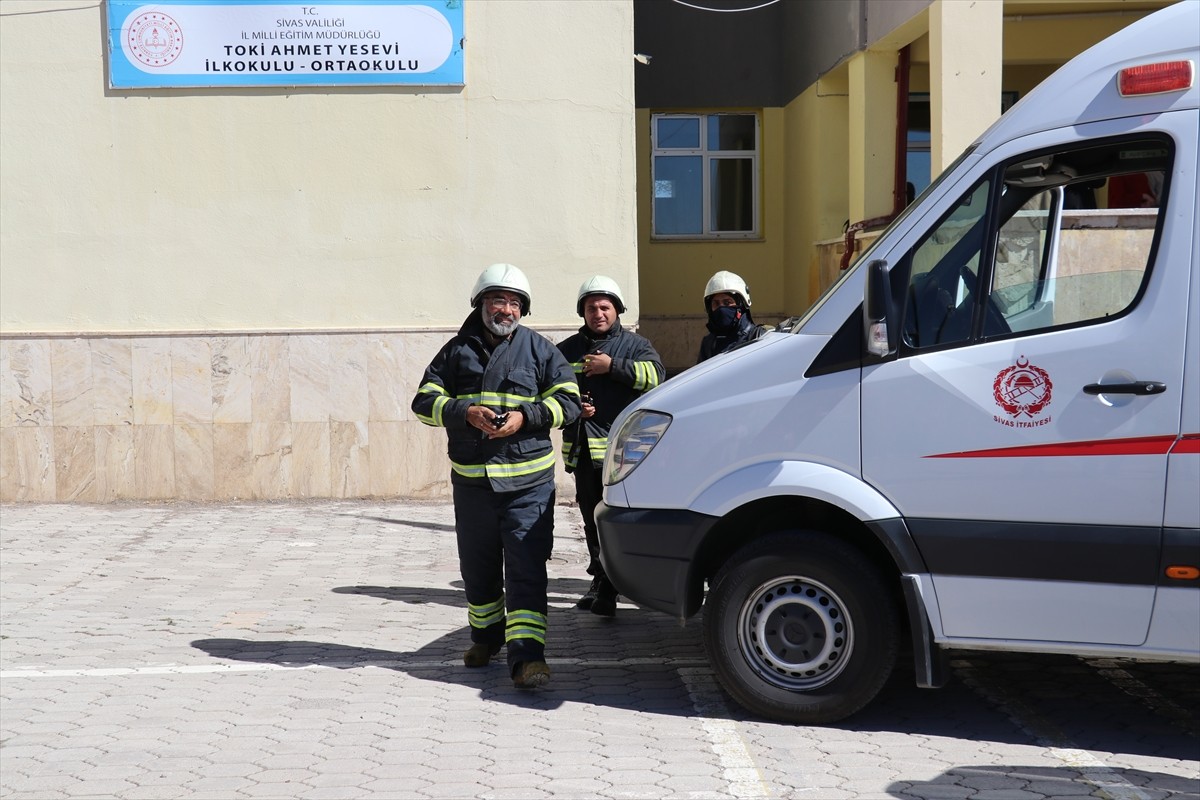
<point x="154" y="39"/>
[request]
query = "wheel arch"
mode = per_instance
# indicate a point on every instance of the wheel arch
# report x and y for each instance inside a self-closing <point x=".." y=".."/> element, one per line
<point x="886" y="543"/>
<point x="765" y="515"/>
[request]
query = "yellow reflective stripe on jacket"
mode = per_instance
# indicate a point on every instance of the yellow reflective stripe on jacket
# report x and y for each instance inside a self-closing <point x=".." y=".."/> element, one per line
<point x="577" y="367"/>
<point x="512" y="469"/>
<point x="504" y="399"/>
<point x="439" y="403"/>
<point x="516" y="469"/>
<point x="645" y="376"/>
<point x="570" y="387"/>
<point x="556" y="412"/>
<point x="596" y="448"/>
<point x="469" y="470"/>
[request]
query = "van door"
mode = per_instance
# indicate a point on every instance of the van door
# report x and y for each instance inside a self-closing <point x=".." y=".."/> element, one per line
<point x="1023" y="428"/>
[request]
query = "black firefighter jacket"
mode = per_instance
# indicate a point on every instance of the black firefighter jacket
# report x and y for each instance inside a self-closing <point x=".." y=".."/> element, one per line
<point x="636" y="369"/>
<point x="715" y="343"/>
<point x="525" y="373"/>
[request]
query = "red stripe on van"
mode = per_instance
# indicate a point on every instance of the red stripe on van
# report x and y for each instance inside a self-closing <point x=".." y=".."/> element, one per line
<point x="1190" y="443"/>
<point x="1140" y="446"/>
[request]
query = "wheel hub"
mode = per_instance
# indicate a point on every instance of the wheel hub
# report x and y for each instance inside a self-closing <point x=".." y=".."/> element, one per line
<point x="795" y="633"/>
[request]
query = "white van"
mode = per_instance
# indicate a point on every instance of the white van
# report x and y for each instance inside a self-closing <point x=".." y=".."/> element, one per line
<point x="986" y="435"/>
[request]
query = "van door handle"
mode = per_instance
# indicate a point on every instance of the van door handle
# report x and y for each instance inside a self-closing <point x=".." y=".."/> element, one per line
<point x="1137" y="387"/>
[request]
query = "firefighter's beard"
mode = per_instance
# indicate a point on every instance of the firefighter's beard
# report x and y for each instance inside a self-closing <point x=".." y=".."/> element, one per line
<point x="500" y="324"/>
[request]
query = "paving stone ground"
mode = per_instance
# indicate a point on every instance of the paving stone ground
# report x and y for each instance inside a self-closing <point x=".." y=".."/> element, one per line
<point x="313" y="650"/>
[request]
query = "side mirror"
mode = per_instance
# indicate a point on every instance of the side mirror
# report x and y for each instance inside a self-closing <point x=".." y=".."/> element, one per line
<point x="876" y="305"/>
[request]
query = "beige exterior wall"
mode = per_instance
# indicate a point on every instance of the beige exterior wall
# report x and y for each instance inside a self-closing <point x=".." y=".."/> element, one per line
<point x="233" y="292"/>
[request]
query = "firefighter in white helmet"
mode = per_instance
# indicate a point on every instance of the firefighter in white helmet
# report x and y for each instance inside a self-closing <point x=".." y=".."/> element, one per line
<point x="498" y="389"/>
<point x="614" y="366"/>
<point x="727" y="303"/>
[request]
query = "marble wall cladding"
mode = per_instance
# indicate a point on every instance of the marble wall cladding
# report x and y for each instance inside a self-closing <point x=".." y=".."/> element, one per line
<point x="677" y="339"/>
<point x="191" y="381"/>
<point x="112" y="381"/>
<point x="114" y="463"/>
<point x="230" y="371"/>
<point x="71" y="383"/>
<point x="26" y="464"/>
<point x="248" y="416"/>
<point x="153" y="392"/>
<point x="349" y="383"/>
<point x="309" y="365"/>
<point x="312" y="468"/>
<point x="25" y="383"/>
<point x="233" y="461"/>
<point x="74" y="464"/>
<point x="385" y="374"/>
<point x="270" y="373"/>
<point x="349" y="459"/>
<point x="195" y="473"/>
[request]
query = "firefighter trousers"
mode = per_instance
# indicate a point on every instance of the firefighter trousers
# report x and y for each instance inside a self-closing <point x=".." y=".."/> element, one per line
<point x="504" y="542"/>
<point x="589" y="490"/>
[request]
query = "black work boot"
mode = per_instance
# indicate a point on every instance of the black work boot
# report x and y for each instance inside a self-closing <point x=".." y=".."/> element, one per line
<point x="605" y="603"/>
<point x="479" y="654"/>
<point x="589" y="596"/>
<point x="531" y="675"/>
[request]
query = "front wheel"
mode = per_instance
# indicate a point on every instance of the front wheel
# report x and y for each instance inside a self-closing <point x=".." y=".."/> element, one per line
<point x="800" y="627"/>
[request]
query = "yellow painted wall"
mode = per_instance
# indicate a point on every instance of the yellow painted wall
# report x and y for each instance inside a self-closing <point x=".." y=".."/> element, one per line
<point x="818" y="191"/>
<point x="316" y="208"/>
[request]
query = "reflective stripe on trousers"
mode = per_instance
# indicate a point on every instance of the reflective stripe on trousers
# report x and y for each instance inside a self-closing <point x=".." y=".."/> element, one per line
<point x="504" y="542"/>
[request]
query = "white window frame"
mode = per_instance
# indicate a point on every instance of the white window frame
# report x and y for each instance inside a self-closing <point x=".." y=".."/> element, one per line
<point x="708" y="156"/>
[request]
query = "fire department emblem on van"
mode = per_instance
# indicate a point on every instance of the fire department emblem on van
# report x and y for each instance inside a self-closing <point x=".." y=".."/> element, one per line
<point x="1022" y="390"/>
<point x="154" y="39"/>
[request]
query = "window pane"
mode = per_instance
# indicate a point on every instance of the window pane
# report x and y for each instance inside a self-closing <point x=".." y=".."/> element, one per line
<point x="678" y="199"/>
<point x="731" y="132"/>
<point x="1021" y="254"/>
<point x="943" y="282"/>
<point x="1090" y="263"/>
<point x="732" y="194"/>
<point x="681" y="132"/>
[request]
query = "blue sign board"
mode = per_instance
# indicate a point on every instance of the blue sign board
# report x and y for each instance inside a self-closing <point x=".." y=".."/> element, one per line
<point x="270" y="43"/>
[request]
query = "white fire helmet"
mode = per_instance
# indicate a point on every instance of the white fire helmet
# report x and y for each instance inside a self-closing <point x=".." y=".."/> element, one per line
<point x="600" y="285"/>
<point x="725" y="281"/>
<point x="506" y="277"/>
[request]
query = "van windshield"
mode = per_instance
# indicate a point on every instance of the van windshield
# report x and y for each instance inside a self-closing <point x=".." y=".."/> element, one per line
<point x="865" y="257"/>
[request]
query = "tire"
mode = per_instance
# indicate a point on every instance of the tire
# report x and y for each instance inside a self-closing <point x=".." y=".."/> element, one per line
<point x="800" y="627"/>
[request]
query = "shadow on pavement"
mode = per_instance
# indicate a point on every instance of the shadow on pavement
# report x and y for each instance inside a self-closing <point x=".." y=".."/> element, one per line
<point x="410" y="523"/>
<point x="1049" y="782"/>
<point x="558" y="590"/>
<point x="646" y="661"/>
<point x="631" y="661"/>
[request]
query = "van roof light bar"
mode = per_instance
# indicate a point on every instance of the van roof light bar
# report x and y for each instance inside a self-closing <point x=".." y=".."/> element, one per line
<point x="1165" y="76"/>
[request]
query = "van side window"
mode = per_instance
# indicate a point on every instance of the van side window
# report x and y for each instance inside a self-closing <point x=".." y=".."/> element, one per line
<point x="1066" y="240"/>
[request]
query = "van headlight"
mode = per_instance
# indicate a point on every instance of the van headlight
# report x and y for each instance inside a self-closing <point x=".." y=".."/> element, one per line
<point x="632" y="443"/>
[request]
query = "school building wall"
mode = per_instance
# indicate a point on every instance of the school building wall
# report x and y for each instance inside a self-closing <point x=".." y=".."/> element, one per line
<point x="232" y="293"/>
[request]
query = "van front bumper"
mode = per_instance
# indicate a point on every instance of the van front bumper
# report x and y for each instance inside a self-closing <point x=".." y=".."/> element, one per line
<point x="651" y="556"/>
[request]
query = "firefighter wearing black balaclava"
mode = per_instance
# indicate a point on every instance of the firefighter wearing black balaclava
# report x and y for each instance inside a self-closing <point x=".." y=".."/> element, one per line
<point x="727" y="303"/>
<point x="498" y="388"/>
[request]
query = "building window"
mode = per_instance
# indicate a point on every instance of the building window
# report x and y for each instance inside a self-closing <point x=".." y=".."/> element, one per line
<point x="919" y="164"/>
<point x="705" y="175"/>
